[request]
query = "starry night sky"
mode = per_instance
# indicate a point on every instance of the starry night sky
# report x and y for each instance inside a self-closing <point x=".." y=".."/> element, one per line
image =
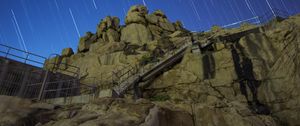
<point x="48" y="26"/>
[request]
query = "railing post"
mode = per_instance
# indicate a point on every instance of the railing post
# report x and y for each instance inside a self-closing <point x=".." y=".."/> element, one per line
<point x="43" y="85"/>
<point x="27" y="55"/>
<point x="7" y="52"/>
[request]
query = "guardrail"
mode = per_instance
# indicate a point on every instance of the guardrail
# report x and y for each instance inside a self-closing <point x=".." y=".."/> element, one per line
<point x="261" y="19"/>
<point x="136" y="71"/>
<point x="27" y="58"/>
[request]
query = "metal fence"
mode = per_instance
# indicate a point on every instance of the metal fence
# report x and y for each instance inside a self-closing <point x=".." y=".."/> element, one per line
<point x="66" y="88"/>
<point x="18" y="77"/>
<point x="261" y="19"/>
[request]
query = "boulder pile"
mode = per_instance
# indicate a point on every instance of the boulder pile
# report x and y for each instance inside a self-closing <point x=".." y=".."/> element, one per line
<point x="114" y="45"/>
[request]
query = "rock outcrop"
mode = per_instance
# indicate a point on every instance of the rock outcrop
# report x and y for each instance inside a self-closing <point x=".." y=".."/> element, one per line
<point x="237" y="78"/>
<point x="115" y="46"/>
<point x="136" y="34"/>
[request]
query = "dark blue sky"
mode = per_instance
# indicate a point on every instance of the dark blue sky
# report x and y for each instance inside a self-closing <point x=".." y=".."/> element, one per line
<point x="48" y="26"/>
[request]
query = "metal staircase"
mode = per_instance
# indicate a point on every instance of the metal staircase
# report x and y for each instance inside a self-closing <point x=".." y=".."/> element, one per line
<point x="135" y="74"/>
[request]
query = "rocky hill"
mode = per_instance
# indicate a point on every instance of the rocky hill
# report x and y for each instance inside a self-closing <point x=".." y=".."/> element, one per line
<point x="144" y="38"/>
<point x="235" y="78"/>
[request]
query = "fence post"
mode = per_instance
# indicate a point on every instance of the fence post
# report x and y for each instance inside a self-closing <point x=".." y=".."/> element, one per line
<point x="43" y="85"/>
<point x="23" y="83"/>
<point x="4" y="70"/>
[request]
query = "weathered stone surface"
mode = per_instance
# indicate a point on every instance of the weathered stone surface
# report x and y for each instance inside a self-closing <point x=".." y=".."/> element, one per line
<point x="167" y="26"/>
<point x="22" y="112"/>
<point x="53" y="63"/>
<point x="223" y="71"/>
<point x="113" y="35"/>
<point x="156" y="31"/>
<point x="112" y="22"/>
<point x="233" y="115"/>
<point x="280" y="90"/>
<point x="136" y="34"/>
<point x="63" y="65"/>
<point x="180" y="41"/>
<point x="178" y="25"/>
<point x="86" y="41"/>
<point x="165" y="44"/>
<point x="108" y="28"/>
<point x="163" y="117"/>
<point x="134" y="17"/>
<point x="115" y="112"/>
<point x="152" y="19"/>
<point x="67" y="52"/>
<point x="122" y="112"/>
<point x="177" y="34"/>
<point x="102" y="48"/>
<point x="136" y="14"/>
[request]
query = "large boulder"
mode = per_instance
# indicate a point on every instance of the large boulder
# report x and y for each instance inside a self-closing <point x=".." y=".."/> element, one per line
<point x="136" y="34"/>
<point x="86" y="41"/>
<point x="112" y="22"/>
<point x="52" y="63"/>
<point x="16" y="111"/>
<point x="164" y="116"/>
<point x="136" y="14"/>
<point x="163" y="22"/>
<point x="152" y="19"/>
<point x="67" y="52"/>
<point x="108" y="29"/>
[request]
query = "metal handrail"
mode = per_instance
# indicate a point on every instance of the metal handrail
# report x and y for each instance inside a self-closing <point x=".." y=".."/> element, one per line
<point x="22" y="51"/>
<point x="141" y="70"/>
<point x="8" y="53"/>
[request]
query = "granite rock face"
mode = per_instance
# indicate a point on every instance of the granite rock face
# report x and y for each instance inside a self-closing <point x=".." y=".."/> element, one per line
<point x="251" y="79"/>
<point x="136" y="34"/>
